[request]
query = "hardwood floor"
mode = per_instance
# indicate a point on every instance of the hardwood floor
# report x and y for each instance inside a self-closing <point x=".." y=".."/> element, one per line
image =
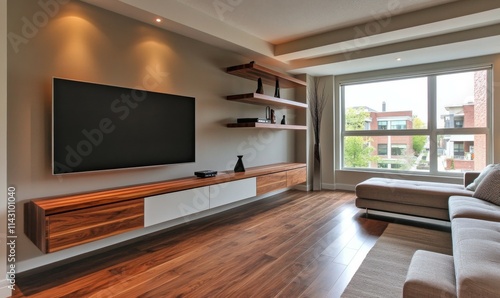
<point x="294" y="244"/>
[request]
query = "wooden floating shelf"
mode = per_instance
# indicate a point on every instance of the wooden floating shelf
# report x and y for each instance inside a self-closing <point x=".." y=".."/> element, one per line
<point x="266" y="100"/>
<point x="254" y="71"/>
<point x="266" y="125"/>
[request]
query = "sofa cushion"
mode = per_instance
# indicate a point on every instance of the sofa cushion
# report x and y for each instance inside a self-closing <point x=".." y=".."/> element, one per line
<point x="489" y="188"/>
<point x="430" y="275"/>
<point x="481" y="176"/>
<point x="470" y="207"/>
<point x="476" y="255"/>
<point x="418" y="193"/>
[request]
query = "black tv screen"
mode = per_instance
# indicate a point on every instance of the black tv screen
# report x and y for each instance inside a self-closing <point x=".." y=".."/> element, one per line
<point x="101" y="127"/>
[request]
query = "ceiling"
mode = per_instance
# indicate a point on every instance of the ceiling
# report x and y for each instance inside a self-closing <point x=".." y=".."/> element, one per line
<point x="325" y="37"/>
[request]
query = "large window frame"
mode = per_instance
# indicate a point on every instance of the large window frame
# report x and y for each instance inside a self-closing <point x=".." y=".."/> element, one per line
<point x="432" y="129"/>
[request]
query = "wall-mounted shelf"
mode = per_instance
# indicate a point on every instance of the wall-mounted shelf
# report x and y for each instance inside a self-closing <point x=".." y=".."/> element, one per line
<point x="254" y="71"/>
<point x="266" y="100"/>
<point x="266" y="125"/>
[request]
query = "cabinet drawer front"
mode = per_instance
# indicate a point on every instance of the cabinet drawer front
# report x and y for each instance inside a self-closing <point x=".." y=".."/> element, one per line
<point x="162" y="208"/>
<point x="268" y="183"/>
<point x="296" y="176"/>
<point x="225" y="193"/>
<point x="90" y="224"/>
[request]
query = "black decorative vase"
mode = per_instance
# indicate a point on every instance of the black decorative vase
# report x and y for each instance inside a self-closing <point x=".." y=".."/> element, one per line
<point x="317" y="179"/>
<point x="277" y="89"/>
<point x="260" y="88"/>
<point x="283" y="121"/>
<point x="239" y="167"/>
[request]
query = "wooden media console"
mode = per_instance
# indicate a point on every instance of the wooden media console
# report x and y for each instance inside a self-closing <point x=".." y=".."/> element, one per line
<point x="58" y="223"/>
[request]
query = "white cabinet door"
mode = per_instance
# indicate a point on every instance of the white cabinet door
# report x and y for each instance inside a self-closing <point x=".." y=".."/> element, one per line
<point x="174" y="205"/>
<point x="225" y="193"/>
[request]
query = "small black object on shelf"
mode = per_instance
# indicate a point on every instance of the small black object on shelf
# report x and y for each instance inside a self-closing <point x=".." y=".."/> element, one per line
<point x="205" y="173"/>
<point x="252" y="120"/>
<point x="283" y="120"/>
<point x="277" y="89"/>
<point x="239" y="167"/>
<point x="260" y="88"/>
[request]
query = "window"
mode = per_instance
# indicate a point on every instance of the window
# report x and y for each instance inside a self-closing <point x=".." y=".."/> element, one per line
<point x="382" y="125"/>
<point x="398" y="124"/>
<point x="382" y="149"/>
<point x="398" y="149"/>
<point x="458" y="149"/>
<point x="437" y="123"/>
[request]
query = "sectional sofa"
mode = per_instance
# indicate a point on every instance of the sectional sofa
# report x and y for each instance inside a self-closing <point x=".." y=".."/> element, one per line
<point x="474" y="268"/>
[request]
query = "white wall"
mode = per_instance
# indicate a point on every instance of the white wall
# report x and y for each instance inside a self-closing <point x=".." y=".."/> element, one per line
<point x="82" y="42"/>
<point x="343" y="179"/>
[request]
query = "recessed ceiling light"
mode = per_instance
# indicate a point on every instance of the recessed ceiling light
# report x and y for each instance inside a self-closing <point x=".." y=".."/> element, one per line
<point x="398" y="59"/>
<point x="158" y="20"/>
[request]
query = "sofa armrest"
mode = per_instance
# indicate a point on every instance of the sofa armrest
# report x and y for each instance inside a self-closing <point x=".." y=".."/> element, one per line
<point x="469" y="177"/>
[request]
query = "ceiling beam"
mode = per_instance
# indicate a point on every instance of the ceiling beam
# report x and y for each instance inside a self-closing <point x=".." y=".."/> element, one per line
<point x="389" y="28"/>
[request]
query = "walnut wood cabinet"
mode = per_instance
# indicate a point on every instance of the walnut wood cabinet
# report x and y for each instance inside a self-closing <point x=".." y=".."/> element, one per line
<point x="57" y="223"/>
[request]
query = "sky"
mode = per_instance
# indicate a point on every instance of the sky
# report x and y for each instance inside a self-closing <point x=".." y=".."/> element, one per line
<point x="411" y="94"/>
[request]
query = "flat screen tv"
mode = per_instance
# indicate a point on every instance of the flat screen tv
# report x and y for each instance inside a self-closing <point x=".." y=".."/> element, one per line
<point x="100" y="127"/>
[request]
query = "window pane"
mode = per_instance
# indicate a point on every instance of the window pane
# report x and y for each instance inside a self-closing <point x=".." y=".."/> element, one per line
<point x="461" y="99"/>
<point x="398" y="149"/>
<point x="397" y="104"/>
<point x="460" y="153"/>
<point x="382" y="149"/>
<point x="407" y="153"/>
<point x="398" y="124"/>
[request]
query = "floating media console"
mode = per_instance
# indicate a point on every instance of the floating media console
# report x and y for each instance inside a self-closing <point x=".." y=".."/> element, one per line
<point x="58" y="223"/>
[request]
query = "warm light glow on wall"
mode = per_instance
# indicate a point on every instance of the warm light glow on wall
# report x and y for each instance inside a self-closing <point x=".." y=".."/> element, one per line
<point x="157" y="58"/>
<point x="76" y="41"/>
<point x="154" y="52"/>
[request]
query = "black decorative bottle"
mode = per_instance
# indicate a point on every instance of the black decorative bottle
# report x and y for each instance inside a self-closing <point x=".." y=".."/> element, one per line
<point x="260" y="88"/>
<point x="239" y="167"/>
<point x="277" y="89"/>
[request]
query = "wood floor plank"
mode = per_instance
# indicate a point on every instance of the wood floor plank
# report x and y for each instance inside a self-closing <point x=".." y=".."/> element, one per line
<point x="293" y="259"/>
<point x="289" y="245"/>
<point x="305" y="277"/>
<point x="323" y="283"/>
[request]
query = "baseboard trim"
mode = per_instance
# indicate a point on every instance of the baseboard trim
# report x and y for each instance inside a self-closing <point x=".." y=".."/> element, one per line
<point x="302" y="187"/>
<point x="328" y="186"/>
<point x="342" y="186"/>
